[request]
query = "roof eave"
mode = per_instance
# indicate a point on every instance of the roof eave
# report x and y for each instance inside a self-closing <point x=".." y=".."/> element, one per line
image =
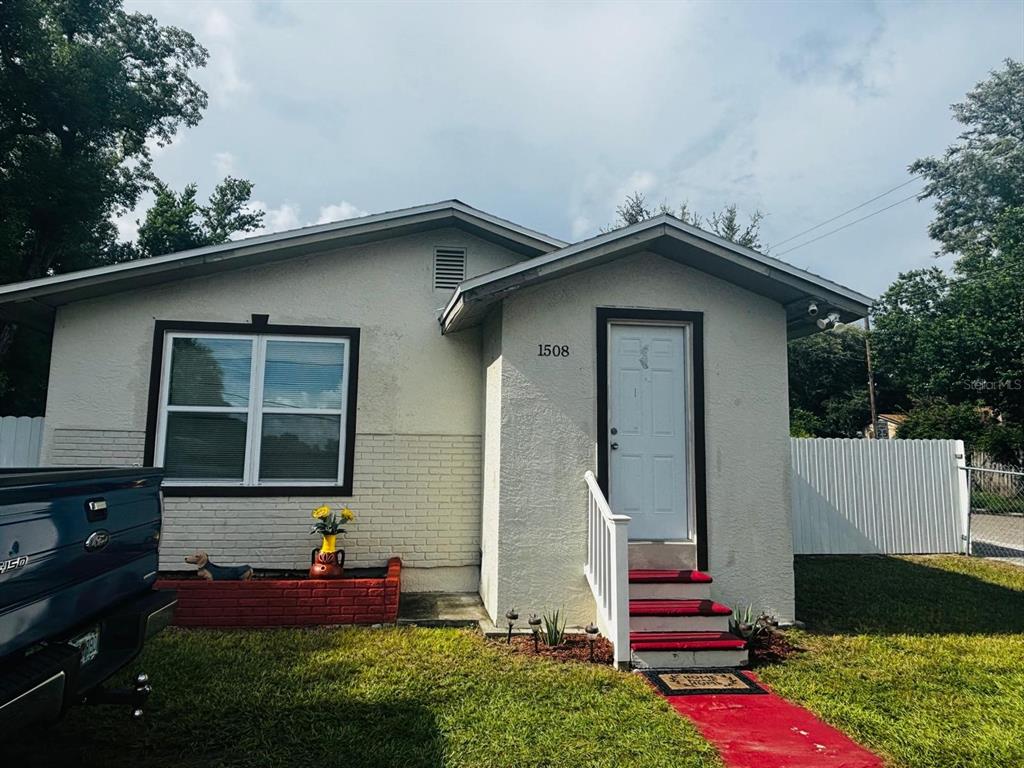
<point x="51" y="292"/>
<point x="488" y="288"/>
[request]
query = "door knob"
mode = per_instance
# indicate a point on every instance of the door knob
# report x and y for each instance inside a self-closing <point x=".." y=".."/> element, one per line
<point x="615" y="431"/>
<point x="614" y="446"/>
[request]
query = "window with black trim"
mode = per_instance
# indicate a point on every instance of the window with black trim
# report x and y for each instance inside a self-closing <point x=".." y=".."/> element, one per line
<point x="270" y="409"/>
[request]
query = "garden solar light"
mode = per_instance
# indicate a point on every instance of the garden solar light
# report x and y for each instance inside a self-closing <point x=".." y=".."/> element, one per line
<point x="534" y="622"/>
<point x="511" y="615"/>
<point x="591" y="631"/>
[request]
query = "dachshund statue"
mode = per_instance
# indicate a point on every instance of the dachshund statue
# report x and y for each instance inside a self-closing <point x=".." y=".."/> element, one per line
<point x="211" y="572"/>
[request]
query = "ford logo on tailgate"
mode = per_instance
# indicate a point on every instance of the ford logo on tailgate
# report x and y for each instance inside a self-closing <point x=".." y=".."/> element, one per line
<point x="97" y="540"/>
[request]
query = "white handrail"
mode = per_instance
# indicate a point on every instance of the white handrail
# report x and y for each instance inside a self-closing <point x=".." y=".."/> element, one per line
<point x="607" y="568"/>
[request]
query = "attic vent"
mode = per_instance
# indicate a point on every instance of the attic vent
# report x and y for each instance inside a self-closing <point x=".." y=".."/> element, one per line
<point x="449" y="268"/>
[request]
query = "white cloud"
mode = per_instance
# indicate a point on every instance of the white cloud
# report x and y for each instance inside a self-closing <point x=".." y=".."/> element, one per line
<point x="127" y="226"/>
<point x="338" y="212"/>
<point x="217" y="24"/>
<point x="284" y="216"/>
<point x="156" y="149"/>
<point x="224" y="162"/>
<point x="643" y="182"/>
<point x="218" y="32"/>
<point x="581" y="226"/>
<point x="548" y="114"/>
<point x="289" y="215"/>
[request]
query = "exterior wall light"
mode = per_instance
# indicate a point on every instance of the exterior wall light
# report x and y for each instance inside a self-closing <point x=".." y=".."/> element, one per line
<point x="829" y="321"/>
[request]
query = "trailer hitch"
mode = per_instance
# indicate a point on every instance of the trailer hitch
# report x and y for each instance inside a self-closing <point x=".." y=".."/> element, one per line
<point x="133" y="696"/>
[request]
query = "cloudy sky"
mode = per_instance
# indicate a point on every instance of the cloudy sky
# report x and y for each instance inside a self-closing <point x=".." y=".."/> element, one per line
<point x="549" y="114"/>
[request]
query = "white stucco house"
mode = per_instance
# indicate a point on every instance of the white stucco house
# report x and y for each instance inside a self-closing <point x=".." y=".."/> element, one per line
<point x="453" y="378"/>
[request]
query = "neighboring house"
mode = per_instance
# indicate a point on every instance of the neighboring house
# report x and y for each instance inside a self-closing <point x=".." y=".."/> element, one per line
<point x="450" y="376"/>
<point x="886" y="427"/>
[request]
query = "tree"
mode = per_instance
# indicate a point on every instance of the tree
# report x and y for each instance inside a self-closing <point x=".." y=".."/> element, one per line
<point x="178" y="222"/>
<point x="959" y="337"/>
<point x="981" y="176"/>
<point x="976" y="426"/>
<point x="954" y="342"/>
<point x="724" y="223"/>
<point x="828" y="392"/>
<point x="83" y="87"/>
<point x="937" y="419"/>
<point x="86" y="90"/>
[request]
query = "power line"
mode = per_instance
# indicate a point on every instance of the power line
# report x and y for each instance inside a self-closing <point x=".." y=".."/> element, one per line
<point x="851" y="210"/>
<point x="850" y="224"/>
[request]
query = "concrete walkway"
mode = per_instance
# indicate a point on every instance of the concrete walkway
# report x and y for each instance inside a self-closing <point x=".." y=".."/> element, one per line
<point x="441" y="609"/>
<point x="766" y="731"/>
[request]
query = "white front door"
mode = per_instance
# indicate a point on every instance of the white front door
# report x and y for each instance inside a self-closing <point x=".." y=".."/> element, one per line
<point x="649" y="428"/>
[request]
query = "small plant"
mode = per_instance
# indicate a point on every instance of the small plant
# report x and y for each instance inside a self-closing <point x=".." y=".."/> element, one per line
<point x="554" y="629"/>
<point x="741" y="618"/>
<point x="750" y="627"/>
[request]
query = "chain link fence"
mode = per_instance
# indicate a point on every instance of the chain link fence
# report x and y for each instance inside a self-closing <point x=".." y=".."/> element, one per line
<point x="996" y="521"/>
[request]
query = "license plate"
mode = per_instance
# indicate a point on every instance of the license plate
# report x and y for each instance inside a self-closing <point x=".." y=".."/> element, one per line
<point x="88" y="643"/>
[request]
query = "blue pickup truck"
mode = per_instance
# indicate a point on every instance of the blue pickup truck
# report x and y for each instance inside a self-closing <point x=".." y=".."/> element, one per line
<point x="78" y="560"/>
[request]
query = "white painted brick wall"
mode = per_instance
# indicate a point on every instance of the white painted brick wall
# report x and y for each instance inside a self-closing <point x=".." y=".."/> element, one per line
<point x="416" y="496"/>
<point x="96" y="448"/>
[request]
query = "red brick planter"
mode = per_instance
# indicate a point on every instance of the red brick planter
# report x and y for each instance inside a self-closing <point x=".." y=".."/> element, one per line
<point x="287" y="602"/>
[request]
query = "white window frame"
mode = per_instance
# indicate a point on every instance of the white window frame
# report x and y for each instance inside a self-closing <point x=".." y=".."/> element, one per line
<point x="254" y="411"/>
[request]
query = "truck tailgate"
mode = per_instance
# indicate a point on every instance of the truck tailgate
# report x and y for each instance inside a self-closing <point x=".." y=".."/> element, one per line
<point x="72" y="543"/>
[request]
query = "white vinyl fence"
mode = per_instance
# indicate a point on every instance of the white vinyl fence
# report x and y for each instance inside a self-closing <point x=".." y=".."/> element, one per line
<point x="878" y="496"/>
<point x="20" y="438"/>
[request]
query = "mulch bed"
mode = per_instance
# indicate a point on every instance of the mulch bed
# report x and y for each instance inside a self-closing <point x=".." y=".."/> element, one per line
<point x="573" y="648"/>
<point x="772" y="648"/>
<point x="277" y="575"/>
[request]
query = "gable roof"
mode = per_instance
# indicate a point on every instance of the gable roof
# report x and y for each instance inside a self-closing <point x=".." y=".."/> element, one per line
<point x="671" y="238"/>
<point x="34" y="301"/>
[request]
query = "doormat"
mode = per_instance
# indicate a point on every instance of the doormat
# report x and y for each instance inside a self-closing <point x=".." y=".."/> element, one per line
<point x="704" y="681"/>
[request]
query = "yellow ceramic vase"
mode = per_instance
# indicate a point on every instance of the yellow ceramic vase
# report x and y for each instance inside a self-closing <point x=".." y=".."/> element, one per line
<point x="329" y="543"/>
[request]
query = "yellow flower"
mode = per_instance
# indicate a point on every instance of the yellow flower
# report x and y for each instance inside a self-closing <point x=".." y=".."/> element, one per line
<point x="321" y="512"/>
<point x="347" y="514"/>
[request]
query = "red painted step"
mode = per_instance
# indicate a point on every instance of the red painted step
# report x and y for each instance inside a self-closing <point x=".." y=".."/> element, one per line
<point x="686" y="641"/>
<point x="678" y="608"/>
<point x="668" y="577"/>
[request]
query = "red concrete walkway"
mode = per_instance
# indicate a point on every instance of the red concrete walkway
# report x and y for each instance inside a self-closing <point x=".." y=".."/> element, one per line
<point x="766" y="731"/>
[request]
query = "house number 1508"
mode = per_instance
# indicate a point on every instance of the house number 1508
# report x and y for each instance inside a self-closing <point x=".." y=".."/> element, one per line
<point x="552" y="350"/>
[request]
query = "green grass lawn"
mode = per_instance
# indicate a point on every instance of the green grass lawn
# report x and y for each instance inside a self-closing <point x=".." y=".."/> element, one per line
<point x="369" y="697"/>
<point x="918" y="658"/>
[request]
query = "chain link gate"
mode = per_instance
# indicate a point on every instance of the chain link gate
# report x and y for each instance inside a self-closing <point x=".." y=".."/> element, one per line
<point x="995" y="525"/>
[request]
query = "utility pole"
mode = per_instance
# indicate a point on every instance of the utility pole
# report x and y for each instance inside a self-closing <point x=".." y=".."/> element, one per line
<point x="871" y="377"/>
